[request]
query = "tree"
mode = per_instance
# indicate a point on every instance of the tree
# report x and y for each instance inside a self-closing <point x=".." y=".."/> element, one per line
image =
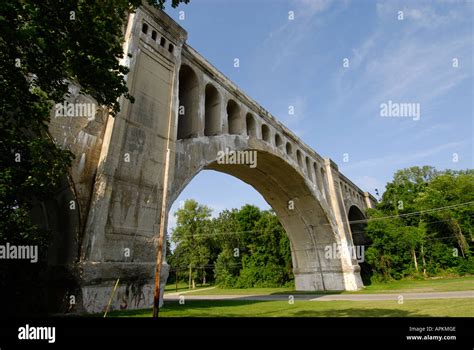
<point x="228" y="242"/>
<point x="191" y="236"/>
<point x="401" y="192"/>
<point x="447" y="189"/>
<point x="257" y="251"/>
<point x="268" y="262"/>
<point x="423" y="214"/>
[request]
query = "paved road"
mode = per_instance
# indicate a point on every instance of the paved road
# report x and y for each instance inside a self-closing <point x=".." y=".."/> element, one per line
<point x="330" y="297"/>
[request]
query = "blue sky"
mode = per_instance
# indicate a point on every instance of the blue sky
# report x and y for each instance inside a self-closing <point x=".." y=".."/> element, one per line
<point x="299" y="62"/>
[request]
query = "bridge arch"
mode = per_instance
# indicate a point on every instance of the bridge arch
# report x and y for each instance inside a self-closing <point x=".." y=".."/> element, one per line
<point x="233" y="118"/>
<point x="212" y="106"/>
<point x="278" y="140"/>
<point x="306" y="220"/>
<point x="357" y="224"/>
<point x="188" y="122"/>
<point x="289" y="149"/>
<point x="308" y="168"/>
<point x="299" y="158"/>
<point x="251" y="125"/>
<point x="266" y="135"/>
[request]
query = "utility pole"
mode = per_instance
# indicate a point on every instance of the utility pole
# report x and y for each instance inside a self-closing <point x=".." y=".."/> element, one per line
<point x="164" y="210"/>
<point x="161" y="239"/>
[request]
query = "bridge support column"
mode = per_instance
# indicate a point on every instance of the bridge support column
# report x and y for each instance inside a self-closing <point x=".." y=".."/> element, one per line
<point x="123" y="221"/>
<point x="369" y="200"/>
<point x="350" y="268"/>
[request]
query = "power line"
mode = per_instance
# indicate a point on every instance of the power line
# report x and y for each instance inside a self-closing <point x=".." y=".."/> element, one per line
<point x="427" y="222"/>
<point x="414" y="213"/>
<point x="216" y="233"/>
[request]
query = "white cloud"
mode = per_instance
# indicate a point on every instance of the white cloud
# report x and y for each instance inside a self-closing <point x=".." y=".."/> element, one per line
<point x="404" y="67"/>
<point x="285" y="41"/>
<point x="311" y="7"/>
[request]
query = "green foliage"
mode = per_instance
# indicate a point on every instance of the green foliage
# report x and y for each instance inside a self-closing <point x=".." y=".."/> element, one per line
<point x="226" y="268"/>
<point x="245" y="248"/>
<point x="191" y="237"/>
<point x="423" y="225"/>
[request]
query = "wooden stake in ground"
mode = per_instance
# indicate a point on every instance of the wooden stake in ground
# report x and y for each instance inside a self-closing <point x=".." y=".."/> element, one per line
<point x="111" y="296"/>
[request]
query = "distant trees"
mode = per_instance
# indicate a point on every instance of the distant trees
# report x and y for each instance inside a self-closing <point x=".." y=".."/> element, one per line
<point x="243" y="247"/>
<point x="191" y="237"/>
<point x="423" y="224"/>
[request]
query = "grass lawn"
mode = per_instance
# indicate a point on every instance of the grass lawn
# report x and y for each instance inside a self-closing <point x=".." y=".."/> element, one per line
<point x="245" y="308"/>
<point x="182" y="287"/>
<point x="431" y="285"/>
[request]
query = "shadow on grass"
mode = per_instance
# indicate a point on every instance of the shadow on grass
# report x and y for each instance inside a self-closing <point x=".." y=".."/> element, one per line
<point x="200" y="308"/>
<point x="171" y="288"/>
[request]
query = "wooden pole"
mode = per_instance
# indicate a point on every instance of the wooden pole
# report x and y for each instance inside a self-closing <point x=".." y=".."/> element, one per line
<point x="164" y="210"/>
<point x="176" y="279"/>
<point x="161" y="239"/>
<point x="111" y="297"/>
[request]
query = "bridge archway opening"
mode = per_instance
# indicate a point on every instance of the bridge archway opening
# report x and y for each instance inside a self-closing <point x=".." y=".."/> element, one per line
<point x="358" y="224"/>
<point x="251" y="125"/>
<point x="212" y="111"/>
<point x="233" y="117"/>
<point x="278" y="141"/>
<point x="299" y="158"/>
<point x="288" y="193"/>
<point x="289" y="149"/>
<point x="188" y="123"/>
<point x="266" y="133"/>
<point x="308" y="168"/>
<point x="218" y="191"/>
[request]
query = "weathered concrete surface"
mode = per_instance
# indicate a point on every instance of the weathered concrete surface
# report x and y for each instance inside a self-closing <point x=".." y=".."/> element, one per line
<point x="186" y="107"/>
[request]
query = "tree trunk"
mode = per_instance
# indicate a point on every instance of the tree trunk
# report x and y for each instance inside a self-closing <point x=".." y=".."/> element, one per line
<point x="414" y="259"/>
<point x="423" y="260"/>
<point x="189" y="280"/>
<point x="194" y="284"/>
<point x="460" y="237"/>
<point x="203" y="276"/>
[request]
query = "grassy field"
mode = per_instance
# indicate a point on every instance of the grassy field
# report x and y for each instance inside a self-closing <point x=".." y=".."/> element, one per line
<point x="182" y="287"/>
<point x="431" y="285"/>
<point x="242" y="308"/>
<point x="390" y="308"/>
